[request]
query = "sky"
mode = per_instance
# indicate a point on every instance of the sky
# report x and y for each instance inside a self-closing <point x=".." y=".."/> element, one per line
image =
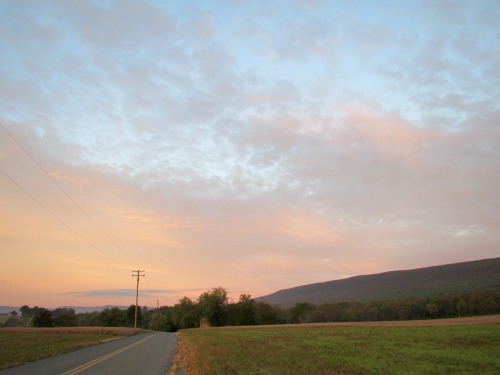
<point x="251" y="145"/>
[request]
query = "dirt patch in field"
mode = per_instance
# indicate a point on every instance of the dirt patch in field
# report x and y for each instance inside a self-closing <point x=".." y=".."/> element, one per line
<point x="475" y="320"/>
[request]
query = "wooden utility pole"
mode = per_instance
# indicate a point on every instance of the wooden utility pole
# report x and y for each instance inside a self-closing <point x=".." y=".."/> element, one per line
<point x="138" y="274"/>
<point x="157" y="314"/>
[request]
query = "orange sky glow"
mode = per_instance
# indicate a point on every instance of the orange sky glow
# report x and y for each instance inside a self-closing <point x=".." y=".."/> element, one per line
<point x="253" y="147"/>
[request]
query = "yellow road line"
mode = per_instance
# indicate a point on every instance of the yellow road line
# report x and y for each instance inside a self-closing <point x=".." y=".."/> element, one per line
<point x="112" y="339"/>
<point x="104" y="357"/>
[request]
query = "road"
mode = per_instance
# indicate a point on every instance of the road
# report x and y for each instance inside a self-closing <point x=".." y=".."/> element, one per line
<point x="149" y="353"/>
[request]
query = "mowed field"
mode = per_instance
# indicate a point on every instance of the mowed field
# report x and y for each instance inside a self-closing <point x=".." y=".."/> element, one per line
<point x="22" y="345"/>
<point x="450" y="346"/>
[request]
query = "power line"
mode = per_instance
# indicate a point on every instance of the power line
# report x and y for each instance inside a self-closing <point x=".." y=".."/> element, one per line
<point x="64" y="192"/>
<point x="57" y="218"/>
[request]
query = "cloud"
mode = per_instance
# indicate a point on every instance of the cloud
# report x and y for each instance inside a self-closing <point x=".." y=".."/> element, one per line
<point x="221" y="142"/>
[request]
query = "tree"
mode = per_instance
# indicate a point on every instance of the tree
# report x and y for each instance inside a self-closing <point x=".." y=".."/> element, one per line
<point x="113" y="317"/>
<point x="43" y="318"/>
<point x="266" y="314"/>
<point x="302" y="312"/>
<point x="131" y="316"/>
<point x="163" y="317"/>
<point x="245" y="310"/>
<point x="64" y="317"/>
<point x="26" y="311"/>
<point x="213" y="306"/>
<point x="185" y="314"/>
<point x="88" y="319"/>
<point x="460" y="306"/>
<point x="159" y="320"/>
<point x="327" y="312"/>
<point x="147" y="314"/>
<point x="432" y="309"/>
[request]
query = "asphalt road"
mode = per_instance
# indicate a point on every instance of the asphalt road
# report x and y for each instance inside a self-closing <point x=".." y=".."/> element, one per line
<point x="149" y="353"/>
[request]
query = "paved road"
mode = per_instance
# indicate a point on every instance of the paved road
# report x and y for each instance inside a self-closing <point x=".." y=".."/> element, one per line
<point x="149" y="353"/>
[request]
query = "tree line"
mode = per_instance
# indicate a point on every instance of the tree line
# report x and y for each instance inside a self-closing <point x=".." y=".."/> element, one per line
<point x="66" y="317"/>
<point x="416" y="308"/>
<point x="212" y="308"/>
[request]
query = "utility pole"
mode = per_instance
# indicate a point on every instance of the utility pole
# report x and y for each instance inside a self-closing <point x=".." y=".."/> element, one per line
<point x="138" y="274"/>
<point x="157" y="314"/>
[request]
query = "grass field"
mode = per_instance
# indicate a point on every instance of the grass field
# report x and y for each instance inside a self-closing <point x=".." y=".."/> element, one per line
<point x="344" y="349"/>
<point x="22" y="345"/>
<point x="3" y="319"/>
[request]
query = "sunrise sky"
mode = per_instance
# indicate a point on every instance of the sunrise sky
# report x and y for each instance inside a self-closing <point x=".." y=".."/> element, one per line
<point x="254" y="145"/>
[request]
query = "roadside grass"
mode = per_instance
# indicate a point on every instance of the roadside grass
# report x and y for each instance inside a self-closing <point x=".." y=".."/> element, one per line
<point x="22" y="345"/>
<point x="471" y="349"/>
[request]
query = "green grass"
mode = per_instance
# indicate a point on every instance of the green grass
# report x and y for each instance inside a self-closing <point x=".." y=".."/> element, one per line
<point x="24" y="345"/>
<point x="348" y="350"/>
<point x="3" y="319"/>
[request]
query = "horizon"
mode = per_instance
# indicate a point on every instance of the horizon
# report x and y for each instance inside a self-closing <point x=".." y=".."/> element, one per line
<point x="233" y="297"/>
<point x="256" y="147"/>
<point x="232" y="300"/>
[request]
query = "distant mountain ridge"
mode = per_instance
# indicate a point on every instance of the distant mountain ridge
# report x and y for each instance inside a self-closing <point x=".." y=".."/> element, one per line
<point x="481" y="275"/>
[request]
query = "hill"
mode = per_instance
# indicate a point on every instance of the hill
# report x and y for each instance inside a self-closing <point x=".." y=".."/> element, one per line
<point x="481" y="275"/>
